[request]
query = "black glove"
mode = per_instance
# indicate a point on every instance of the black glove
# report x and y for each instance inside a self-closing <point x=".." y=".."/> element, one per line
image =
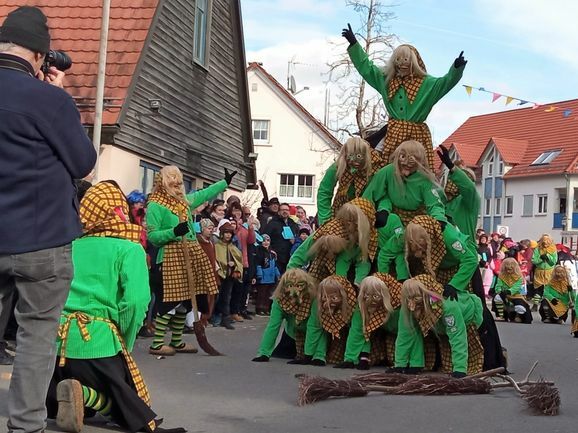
<point x="507" y="292"/>
<point x="317" y="363"/>
<point x="554" y="301"/>
<point x="381" y="217"/>
<point x="459" y="375"/>
<point x="544" y="257"/>
<point x="444" y="156"/>
<point x="262" y="358"/>
<point x="569" y="288"/>
<point x="349" y="35"/>
<point x="376" y="137"/>
<point x="181" y="229"/>
<point x="483" y="263"/>
<point x="344" y="364"/>
<point x="229" y="176"/>
<point x="450" y="292"/>
<point x="301" y="361"/>
<point x="460" y="61"/>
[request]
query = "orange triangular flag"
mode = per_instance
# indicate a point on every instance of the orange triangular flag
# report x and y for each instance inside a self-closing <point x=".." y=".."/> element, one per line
<point x="550" y="109"/>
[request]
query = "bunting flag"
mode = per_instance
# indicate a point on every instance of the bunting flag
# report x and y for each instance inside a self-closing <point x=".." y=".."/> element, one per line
<point x="566" y="112"/>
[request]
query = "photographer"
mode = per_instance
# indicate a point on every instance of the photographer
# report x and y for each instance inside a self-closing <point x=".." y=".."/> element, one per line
<point x="43" y="147"/>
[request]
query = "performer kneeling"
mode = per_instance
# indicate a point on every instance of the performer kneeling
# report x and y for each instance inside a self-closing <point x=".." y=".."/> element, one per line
<point x="557" y="297"/>
<point x="509" y="301"/>
<point x="424" y="310"/>
<point x="108" y="300"/>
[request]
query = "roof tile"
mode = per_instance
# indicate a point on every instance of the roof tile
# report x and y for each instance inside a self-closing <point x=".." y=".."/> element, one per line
<point x="75" y="28"/>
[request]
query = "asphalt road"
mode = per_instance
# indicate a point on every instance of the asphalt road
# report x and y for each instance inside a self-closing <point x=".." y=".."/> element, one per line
<point x="231" y="394"/>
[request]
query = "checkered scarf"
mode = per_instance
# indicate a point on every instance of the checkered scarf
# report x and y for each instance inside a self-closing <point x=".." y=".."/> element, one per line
<point x="301" y="311"/>
<point x="104" y="213"/>
<point x="427" y="323"/>
<point x="358" y="179"/>
<point x="451" y="190"/>
<point x="410" y="83"/>
<point x="378" y="318"/>
<point x="434" y="231"/>
<point x="334" y="323"/>
<point x="323" y="264"/>
<point x="509" y="279"/>
<point x="561" y="286"/>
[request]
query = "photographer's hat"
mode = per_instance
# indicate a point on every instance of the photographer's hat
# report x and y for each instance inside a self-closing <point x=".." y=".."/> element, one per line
<point x="26" y="26"/>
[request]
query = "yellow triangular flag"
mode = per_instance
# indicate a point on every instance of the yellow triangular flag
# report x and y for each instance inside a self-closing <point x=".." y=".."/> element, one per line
<point x="469" y="90"/>
<point x="509" y="99"/>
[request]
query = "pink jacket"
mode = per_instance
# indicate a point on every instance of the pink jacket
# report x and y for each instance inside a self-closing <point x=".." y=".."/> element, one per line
<point x="246" y="237"/>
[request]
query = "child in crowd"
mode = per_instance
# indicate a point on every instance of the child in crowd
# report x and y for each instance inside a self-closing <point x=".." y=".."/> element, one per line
<point x="267" y="276"/>
<point x="304" y="233"/>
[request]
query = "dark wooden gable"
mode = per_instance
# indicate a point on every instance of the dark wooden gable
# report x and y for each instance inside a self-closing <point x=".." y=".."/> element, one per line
<point x="204" y="122"/>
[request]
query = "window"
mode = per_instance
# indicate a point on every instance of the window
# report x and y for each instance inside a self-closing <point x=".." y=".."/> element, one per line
<point x="498" y="208"/>
<point x="498" y="187"/>
<point x="501" y="168"/>
<point x="201" y="37"/>
<point x="488" y="207"/>
<point x="528" y="205"/>
<point x="296" y="186"/>
<point x="253" y="87"/>
<point x="546" y="157"/>
<point x="261" y="130"/>
<point x="542" y="204"/>
<point x="487" y="187"/>
<point x="491" y="167"/>
<point x="147" y="176"/>
<point x="509" y="205"/>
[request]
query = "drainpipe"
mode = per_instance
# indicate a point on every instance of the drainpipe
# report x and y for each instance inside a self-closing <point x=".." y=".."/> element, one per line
<point x="99" y="107"/>
<point x="569" y="203"/>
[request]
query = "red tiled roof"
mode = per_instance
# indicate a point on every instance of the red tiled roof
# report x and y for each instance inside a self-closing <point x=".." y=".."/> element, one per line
<point x="511" y="150"/>
<point x="541" y="130"/>
<point x="75" y="28"/>
<point x="468" y="153"/>
<point x="254" y="66"/>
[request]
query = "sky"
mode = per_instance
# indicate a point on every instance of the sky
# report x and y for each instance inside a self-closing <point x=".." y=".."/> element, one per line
<point x="527" y="49"/>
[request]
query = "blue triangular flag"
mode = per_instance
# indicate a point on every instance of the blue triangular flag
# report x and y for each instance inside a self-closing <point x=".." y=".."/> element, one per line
<point x="522" y="102"/>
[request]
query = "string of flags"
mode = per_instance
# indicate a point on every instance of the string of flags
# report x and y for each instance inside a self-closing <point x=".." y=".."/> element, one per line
<point x="566" y="112"/>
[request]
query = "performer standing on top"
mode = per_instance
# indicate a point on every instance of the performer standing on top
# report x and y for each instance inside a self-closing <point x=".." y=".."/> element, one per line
<point x="408" y="92"/>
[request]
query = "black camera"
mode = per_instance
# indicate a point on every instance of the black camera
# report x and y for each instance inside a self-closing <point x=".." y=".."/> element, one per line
<point x="59" y="59"/>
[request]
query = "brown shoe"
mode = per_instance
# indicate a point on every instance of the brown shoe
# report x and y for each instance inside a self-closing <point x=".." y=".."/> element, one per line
<point x="185" y="348"/>
<point x="70" y="416"/>
<point x="237" y="317"/>
<point x="164" y="350"/>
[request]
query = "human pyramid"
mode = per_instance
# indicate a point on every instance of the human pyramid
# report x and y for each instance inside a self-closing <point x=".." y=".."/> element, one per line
<point x="414" y="300"/>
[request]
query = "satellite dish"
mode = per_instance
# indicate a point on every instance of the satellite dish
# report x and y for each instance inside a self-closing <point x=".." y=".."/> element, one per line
<point x="292" y="84"/>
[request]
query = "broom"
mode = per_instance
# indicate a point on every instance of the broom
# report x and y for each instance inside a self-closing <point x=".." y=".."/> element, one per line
<point x="541" y="396"/>
<point x="198" y="327"/>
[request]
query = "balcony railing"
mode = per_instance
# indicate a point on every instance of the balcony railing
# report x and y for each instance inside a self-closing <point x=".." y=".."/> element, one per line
<point x="558" y="219"/>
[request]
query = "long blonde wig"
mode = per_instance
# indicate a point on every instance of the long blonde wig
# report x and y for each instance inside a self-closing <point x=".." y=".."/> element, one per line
<point x="168" y="175"/>
<point x="403" y="52"/>
<point x="413" y="288"/>
<point x="351" y="213"/>
<point x="332" y="283"/>
<point x="368" y="286"/>
<point x="293" y="277"/>
<point x="417" y="151"/>
<point x="560" y="273"/>
<point x="413" y="233"/>
<point x="510" y="267"/>
<point x="354" y="145"/>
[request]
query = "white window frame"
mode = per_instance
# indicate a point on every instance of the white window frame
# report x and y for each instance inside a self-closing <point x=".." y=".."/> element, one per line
<point x="547" y="157"/>
<point x="542" y="204"/>
<point x="202" y="32"/>
<point x="267" y="130"/>
<point x="498" y="206"/>
<point x="491" y="168"/>
<point x="297" y="190"/>
<point x="531" y="211"/>
<point x="488" y="207"/>
<point x="501" y="168"/>
<point x="509" y="198"/>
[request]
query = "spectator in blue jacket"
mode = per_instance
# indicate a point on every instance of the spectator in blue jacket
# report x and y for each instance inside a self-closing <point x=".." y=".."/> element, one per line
<point x="43" y="148"/>
<point x="267" y="276"/>
<point x="304" y="233"/>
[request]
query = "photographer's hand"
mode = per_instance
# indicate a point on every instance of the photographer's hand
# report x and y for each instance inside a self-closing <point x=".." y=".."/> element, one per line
<point x="55" y="77"/>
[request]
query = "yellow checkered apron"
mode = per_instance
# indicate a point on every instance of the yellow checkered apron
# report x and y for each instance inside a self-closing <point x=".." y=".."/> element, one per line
<point x="82" y="320"/>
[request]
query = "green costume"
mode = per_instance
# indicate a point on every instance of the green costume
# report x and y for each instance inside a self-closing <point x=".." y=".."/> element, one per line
<point x="274" y="325"/>
<point x="416" y="192"/>
<point x="161" y="220"/>
<point x="454" y="316"/>
<point x="464" y="208"/>
<point x="513" y="304"/>
<point x="543" y="267"/>
<point x="391" y="248"/>
<point x="325" y="194"/>
<point x="514" y="286"/>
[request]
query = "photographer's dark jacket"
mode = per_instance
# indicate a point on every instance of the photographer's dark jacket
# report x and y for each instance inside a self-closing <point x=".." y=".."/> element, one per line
<point x="43" y="147"/>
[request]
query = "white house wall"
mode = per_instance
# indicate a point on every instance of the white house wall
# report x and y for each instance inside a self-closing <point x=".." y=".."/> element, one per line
<point x="526" y="227"/>
<point x="294" y="147"/>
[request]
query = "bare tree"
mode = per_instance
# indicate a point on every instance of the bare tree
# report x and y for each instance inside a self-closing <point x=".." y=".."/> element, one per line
<point x="378" y="43"/>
